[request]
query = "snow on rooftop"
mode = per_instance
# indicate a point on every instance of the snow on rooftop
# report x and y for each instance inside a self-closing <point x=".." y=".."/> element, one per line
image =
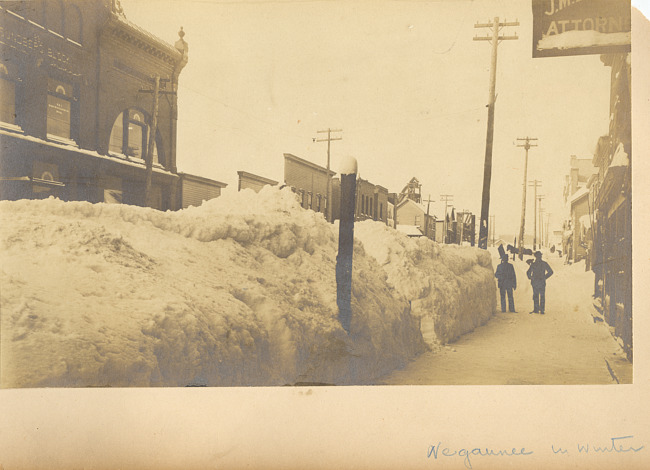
<point x="578" y="194"/>
<point x="410" y="230"/>
<point x="620" y="158"/>
<point x="71" y="146"/>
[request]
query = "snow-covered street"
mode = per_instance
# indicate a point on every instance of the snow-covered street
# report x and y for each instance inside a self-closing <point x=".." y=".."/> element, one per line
<point x="241" y="291"/>
<point x="564" y="346"/>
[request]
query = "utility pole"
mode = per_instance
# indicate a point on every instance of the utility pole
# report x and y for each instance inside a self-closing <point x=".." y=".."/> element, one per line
<point x="461" y="220"/>
<point x="329" y="178"/>
<point x="445" y="198"/>
<point x="541" y="221"/>
<point x="426" y="219"/>
<point x="548" y="217"/>
<point x="527" y="146"/>
<point x="153" y="129"/>
<point x="535" y="184"/>
<point x="487" y="168"/>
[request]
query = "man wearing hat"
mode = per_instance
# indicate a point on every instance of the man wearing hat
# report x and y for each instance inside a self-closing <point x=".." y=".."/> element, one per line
<point x="538" y="272"/>
<point x="507" y="281"/>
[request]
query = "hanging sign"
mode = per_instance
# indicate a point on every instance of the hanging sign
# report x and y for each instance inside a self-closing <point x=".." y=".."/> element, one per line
<point x="579" y="27"/>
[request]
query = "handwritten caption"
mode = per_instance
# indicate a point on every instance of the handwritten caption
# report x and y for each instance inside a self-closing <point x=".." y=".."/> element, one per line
<point x="615" y="445"/>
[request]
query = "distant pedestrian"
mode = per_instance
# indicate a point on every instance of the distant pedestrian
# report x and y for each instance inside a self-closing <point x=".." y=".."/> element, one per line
<point x="538" y="272"/>
<point x="507" y="281"/>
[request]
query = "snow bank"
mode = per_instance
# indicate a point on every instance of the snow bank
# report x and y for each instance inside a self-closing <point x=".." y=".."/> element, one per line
<point x="239" y="291"/>
<point x="451" y="288"/>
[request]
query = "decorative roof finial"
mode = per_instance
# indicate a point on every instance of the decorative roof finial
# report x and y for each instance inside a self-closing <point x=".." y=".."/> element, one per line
<point x="117" y="8"/>
<point x="182" y="47"/>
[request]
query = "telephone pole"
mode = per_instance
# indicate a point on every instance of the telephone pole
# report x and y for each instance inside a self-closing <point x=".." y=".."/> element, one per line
<point x="445" y="198"/>
<point x="527" y="146"/>
<point x="153" y="129"/>
<point x="329" y="139"/>
<point x="495" y="38"/>
<point x="541" y="222"/>
<point x="535" y="184"/>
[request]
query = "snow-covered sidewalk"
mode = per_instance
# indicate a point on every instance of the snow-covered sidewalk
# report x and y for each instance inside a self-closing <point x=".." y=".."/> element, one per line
<point x="564" y="346"/>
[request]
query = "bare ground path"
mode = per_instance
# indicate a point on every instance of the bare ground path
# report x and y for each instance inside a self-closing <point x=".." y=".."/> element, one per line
<point x="564" y="346"/>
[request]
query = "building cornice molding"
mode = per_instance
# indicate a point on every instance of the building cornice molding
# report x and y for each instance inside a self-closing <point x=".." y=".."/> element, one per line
<point x="126" y="31"/>
<point x="302" y="161"/>
<point x="257" y="178"/>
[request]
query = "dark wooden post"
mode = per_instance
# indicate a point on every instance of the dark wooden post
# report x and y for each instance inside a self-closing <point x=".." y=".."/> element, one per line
<point x="346" y="243"/>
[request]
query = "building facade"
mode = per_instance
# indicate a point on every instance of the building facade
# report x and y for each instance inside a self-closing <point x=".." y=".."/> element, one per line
<point x="612" y="202"/>
<point x="411" y="213"/>
<point x="577" y="246"/>
<point x="77" y="83"/>
<point x="308" y="180"/>
<point x="372" y="202"/>
<point x="576" y="190"/>
<point x="194" y="190"/>
<point x="254" y="182"/>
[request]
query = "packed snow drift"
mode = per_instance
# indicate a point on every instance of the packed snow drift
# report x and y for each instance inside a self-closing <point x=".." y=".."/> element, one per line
<point x="238" y="291"/>
<point x="450" y="288"/>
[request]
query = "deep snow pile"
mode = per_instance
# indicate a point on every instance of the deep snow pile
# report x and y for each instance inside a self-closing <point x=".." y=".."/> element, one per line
<point x="451" y="288"/>
<point x="240" y="291"/>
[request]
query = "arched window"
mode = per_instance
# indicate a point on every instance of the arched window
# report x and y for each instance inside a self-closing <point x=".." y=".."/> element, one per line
<point x="73" y="23"/>
<point x="129" y="136"/>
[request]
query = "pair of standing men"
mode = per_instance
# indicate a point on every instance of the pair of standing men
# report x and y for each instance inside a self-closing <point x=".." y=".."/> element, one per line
<point x="538" y="272"/>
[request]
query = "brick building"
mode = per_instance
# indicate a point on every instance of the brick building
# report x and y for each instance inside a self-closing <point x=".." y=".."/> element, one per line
<point x="612" y="203"/>
<point x="372" y="201"/>
<point x="76" y="104"/>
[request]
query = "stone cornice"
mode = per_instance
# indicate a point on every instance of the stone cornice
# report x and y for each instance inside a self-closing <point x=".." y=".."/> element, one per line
<point x="122" y="29"/>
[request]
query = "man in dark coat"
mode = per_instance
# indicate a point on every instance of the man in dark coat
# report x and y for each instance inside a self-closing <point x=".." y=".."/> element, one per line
<point x="538" y="272"/>
<point x="507" y="281"/>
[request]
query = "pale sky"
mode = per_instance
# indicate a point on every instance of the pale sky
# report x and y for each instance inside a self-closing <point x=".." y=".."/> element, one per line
<point x="405" y="82"/>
